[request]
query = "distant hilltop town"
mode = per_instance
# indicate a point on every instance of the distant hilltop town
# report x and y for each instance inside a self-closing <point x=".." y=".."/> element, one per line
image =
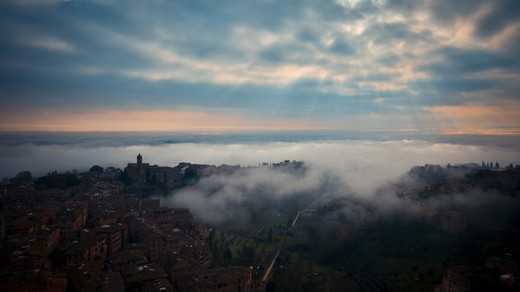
<point x="167" y="178"/>
<point x="171" y="176"/>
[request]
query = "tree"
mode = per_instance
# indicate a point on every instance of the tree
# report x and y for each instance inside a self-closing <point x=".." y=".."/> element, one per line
<point x="96" y="168"/>
<point x="23" y="177"/>
<point x="58" y="181"/>
<point x="125" y="178"/>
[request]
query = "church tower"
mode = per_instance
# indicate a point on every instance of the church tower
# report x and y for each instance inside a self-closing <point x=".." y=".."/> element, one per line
<point x="140" y="167"/>
<point x="139" y="160"/>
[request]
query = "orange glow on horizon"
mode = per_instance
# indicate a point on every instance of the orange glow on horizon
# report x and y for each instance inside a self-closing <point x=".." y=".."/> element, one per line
<point x="478" y="119"/>
<point x="468" y="119"/>
<point x="176" y="121"/>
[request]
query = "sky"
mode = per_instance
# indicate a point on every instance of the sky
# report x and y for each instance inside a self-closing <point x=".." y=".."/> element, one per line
<point x="420" y="65"/>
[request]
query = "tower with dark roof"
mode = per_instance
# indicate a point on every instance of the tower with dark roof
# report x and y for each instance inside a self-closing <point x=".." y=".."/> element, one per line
<point x="139" y="160"/>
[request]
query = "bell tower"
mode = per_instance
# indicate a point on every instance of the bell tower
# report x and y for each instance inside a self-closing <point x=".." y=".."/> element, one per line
<point x="139" y="160"/>
<point x="140" y="167"/>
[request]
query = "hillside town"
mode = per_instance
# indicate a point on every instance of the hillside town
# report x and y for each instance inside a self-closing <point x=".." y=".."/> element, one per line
<point x="82" y="232"/>
<point x="101" y="230"/>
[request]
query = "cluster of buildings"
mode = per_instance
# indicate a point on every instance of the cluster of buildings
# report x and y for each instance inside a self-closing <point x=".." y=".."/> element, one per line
<point x="462" y="178"/>
<point x="463" y="278"/>
<point x="170" y="176"/>
<point x="96" y="237"/>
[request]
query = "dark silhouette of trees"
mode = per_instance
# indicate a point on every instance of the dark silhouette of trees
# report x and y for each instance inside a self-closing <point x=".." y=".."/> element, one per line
<point x="57" y="181"/>
<point x="96" y="168"/>
<point x="23" y="177"/>
<point x="125" y="178"/>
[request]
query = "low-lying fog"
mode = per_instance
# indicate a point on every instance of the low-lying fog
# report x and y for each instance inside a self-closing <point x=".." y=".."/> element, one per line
<point x="334" y="167"/>
<point x="357" y="159"/>
<point x="363" y="172"/>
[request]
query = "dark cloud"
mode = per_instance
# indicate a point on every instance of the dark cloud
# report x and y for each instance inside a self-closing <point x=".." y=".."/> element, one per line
<point x="406" y="6"/>
<point x="65" y="89"/>
<point x="374" y="77"/>
<point x="341" y="47"/>
<point x="175" y="54"/>
<point x="308" y="36"/>
<point x="286" y="53"/>
<point x="452" y="90"/>
<point x="333" y="11"/>
<point x="447" y="12"/>
<point x="462" y="61"/>
<point x="495" y="15"/>
<point x="491" y="17"/>
<point x="386" y="33"/>
<point x="502" y="13"/>
<point x="389" y="60"/>
<point x="463" y="71"/>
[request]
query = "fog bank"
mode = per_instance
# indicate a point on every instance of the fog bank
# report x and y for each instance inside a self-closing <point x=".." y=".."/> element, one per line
<point x="381" y="160"/>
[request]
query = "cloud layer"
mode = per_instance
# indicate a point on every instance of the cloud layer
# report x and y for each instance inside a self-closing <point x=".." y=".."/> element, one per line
<point x="338" y="64"/>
